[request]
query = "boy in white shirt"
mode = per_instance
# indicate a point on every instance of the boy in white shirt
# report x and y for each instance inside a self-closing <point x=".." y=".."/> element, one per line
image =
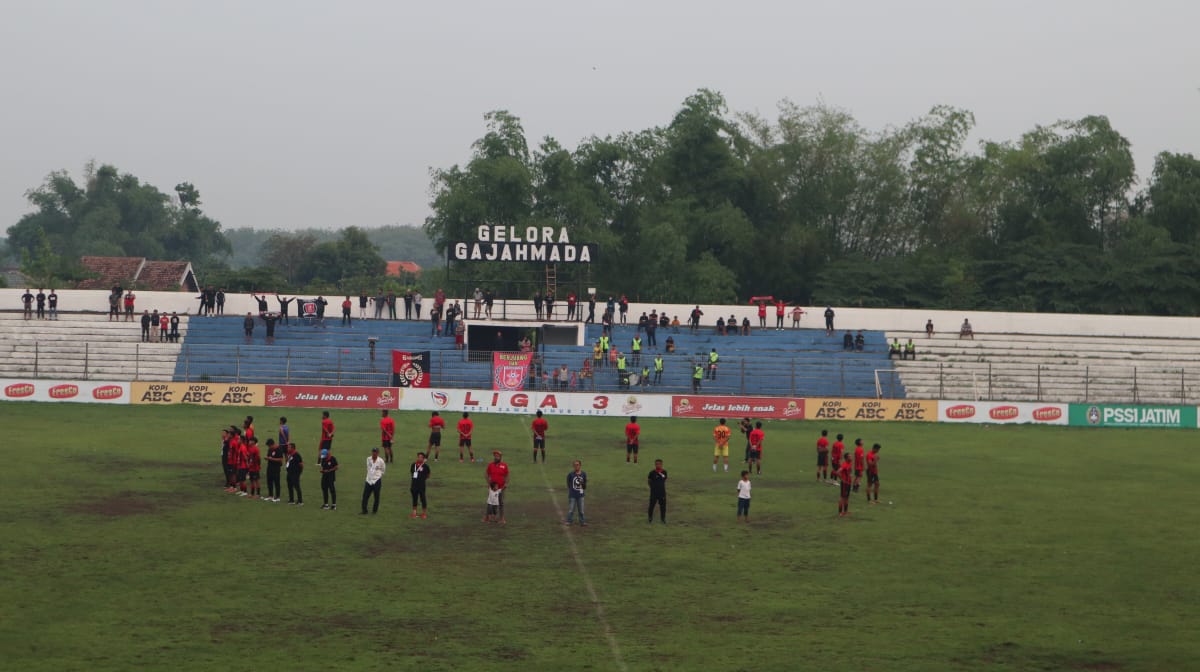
<point x="743" y="488"/>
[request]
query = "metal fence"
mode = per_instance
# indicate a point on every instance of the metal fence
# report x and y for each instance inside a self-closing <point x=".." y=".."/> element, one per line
<point x="809" y="374"/>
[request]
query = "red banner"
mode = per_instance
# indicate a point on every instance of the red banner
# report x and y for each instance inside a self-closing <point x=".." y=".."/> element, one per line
<point x="332" y="396"/>
<point x="773" y="408"/>
<point x="410" y="369"/>
<point x="510" y="369"/>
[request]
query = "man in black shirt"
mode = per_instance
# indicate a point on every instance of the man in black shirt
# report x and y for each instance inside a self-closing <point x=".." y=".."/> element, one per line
<point x="221" y="306"/>
<point x="174" y="328"/>
<point x="275" y="458"/>
<point x="391" y="304"/>
<point x="408" y="300"/>
<point x="27" y="302"/>
<point x="591" y="318"/>
<point x="329" y="466"/>
<point x="294" y="464"/>
<point x="145" y="326"/>
<point x="283" y="307"/>
<point x="270" y="321"/>
<point x="657" y="481"/>
<point x="248" y="327"/>
<point x="41" y="304"/>
<point x="262" y="303"/>
<point x="420" y="474"/>
<point x="52" y="299"/>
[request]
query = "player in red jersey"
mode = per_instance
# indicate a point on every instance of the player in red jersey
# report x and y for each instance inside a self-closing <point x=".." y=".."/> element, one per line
<point x="539" y="427"/>
<point x="465" y="427"/>
<point x="387" y="429"/>
<point x="823" y="456"/>
<point x="633" y="435"/>
<point x="253" y="466"/>
<point x="873" y="473"/>
<point x="436" y="425"/>
<point x="859" y="462"/>
<point x="248" y="428"/>
<point x="326" y="432"/>
<point x="497" y="475"/>
<point x="835" y="456"/>
<point x="235" y="447"/>
<point x="242" y="462"/>
<point x="756" y="446"/>
<point x="845" y="478"/>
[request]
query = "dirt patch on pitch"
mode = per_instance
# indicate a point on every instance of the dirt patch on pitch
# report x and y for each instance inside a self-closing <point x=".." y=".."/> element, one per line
<point x="127" y="503"/>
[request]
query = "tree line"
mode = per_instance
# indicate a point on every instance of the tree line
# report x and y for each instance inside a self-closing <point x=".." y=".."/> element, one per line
<point x="116" y="214"/>
<point x="718" y="206"/>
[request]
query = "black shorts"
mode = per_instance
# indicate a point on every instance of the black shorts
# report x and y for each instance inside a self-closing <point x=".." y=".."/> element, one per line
<point x="464" y="443"/>
<point x="241" y="474"/>
<point x="846" y="489"/>
<point x="822" y="459"/>
<point x="755" y="454"/>
<point x="326" y="444"/>
<point x="858" y="473"/>
<point x="435" y="439"/>
<point x="386" y="444"/>
<point x="631" y="448"/>
<point x="539" y="442"/>
<point x="872" y="479"/>
<point x="228" y="468"/>
<point x="254" y="475"/>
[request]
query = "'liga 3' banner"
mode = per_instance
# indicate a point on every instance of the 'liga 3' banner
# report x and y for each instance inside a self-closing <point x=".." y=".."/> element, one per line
<point x="509" y="370"/>
<point x="410" y="369"/>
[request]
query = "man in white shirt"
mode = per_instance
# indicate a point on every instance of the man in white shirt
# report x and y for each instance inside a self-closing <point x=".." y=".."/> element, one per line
<point x="375" y="469"/>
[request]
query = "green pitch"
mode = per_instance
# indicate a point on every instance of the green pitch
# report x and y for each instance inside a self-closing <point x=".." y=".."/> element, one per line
<point x="1002" y="548"/>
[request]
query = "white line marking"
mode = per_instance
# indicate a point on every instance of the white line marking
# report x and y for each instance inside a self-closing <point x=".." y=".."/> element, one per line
<point x="587" y="579"/>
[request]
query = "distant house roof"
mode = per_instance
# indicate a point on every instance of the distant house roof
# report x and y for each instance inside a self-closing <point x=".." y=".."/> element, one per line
<point x="148" y="275"/>
<point x="399" y="268"/>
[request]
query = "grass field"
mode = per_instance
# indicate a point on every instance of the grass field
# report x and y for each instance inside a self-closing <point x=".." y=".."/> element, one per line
<point x="1001" y="548"/>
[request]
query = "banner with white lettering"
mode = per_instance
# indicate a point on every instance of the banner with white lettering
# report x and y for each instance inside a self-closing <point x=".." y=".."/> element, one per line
<point x="410" y="369"/>
<point x="549" y="403"/>
<point x="510" y="369"/>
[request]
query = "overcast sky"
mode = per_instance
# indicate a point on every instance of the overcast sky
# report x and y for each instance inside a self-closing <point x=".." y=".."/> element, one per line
<point x="289" y="114"/>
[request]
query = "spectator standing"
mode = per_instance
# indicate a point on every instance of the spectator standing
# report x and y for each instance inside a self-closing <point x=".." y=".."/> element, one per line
<point x="489" y="298"/>
<point x="657" y="480"/>
<point x="408" y="303"/>
<point x="623" y="305"/>
<point x="537" y="303"/>
<point x="114" y="300"/>
<point x="762" y="314"/>
<point x="417" y="304"/>
<point x="220" y="301"/>
<point x="828" y="320"/>
<point x="346" y="306"/>
<point x="743" y="503"/>
<point x="164" y="323"/>
<point x="294" y="465"/>
<point x="52" y="299"/>
<point x="591" y="318"/>
<point x="420" y="475"/>
<point x="391" y="304"/>
<point x="27" y="304"/>
<point x="780" y="309"/>
<point x="572" y="313"/>
<point x="928" y="328"/>
<point x="174" y="328"/>
<point x="154" y="325"/>
<point x="478" y="297"/>
<point x="247" y="326"/>
<point x="270" y="320"/>
<point x="363" y="300"/>
<point x="41" y="304"/>
<point x="145" y="326"/>
<point x="374" y="484"/>
<point x="797" y="313"/>
<point x="283" y="308"/>
<point x="576" y="487"/>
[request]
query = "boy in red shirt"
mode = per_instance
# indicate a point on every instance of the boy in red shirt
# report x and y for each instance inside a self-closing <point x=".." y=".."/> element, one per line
<point x="539" y="428"/>
<point x="756" y="446"/>
<point x="253" y="466"/>
<point x="465" y="427"/>
<point x="387" y="429"/>
<point x="859" y="462"/>
<point x="436" y="425"/>
<point x="845" y="479"/>
<point x="873" y="473"/>
<point x="633" y="434"/>
<point x="823" y="456"/>
<point x="835" y="455"/>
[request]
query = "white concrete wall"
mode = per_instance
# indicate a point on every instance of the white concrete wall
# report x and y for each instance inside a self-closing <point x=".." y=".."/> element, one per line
<point x="846" y="318"/>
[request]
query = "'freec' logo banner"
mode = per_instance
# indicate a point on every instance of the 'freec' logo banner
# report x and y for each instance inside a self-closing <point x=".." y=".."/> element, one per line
<point x="1002" y="412"/>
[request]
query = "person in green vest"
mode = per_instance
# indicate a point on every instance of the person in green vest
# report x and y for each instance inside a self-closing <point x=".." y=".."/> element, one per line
<point x="910" y="350"/>
<point x="658" y="369"/>
<point x="636" y="350"/>
<point x="894" y="350"/>
<point x="645" y="380"/>
<point x="620" y="363"/>
<point x="712" y="364"/>
<point x="604" y="343"/>
<point x="697" y="376"/>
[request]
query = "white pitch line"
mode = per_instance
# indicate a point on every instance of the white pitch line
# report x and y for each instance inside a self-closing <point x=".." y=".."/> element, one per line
<point x="587" y="578"/>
